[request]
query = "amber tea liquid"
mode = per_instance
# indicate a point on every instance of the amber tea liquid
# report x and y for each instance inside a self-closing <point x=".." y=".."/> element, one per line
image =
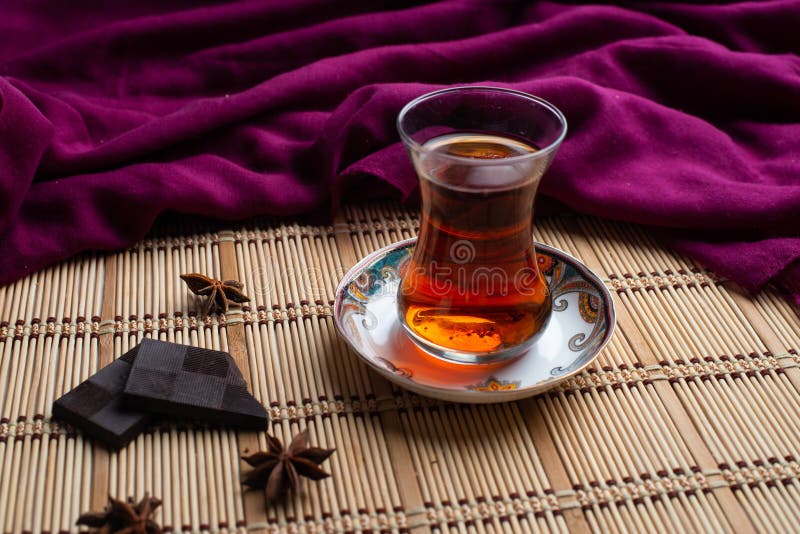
<point x="473" y="284"/>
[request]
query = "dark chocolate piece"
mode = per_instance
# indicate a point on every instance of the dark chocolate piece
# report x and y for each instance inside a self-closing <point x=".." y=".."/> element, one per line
<point x="95" y="406"/>
<point x="192" y="383"/>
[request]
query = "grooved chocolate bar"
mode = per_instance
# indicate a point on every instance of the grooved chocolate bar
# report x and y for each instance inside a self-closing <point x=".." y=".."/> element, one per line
<point x="96" y="407"/>
<point x="192" y="383"/>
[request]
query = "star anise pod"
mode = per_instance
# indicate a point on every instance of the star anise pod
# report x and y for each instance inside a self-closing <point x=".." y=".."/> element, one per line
<point x="277" y="471"/>
<point x="124" y="517"/>
<point x="219" y="292"/>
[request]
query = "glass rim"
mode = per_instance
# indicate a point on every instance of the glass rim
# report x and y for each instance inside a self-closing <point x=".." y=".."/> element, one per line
<point x="539" y="153"/>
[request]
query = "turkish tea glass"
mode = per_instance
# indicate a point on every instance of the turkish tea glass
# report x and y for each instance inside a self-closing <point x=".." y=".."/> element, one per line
<point x="472" y="291"/>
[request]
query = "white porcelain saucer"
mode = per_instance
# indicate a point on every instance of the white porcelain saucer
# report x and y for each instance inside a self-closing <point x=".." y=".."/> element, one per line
<point x="582" y="322"/>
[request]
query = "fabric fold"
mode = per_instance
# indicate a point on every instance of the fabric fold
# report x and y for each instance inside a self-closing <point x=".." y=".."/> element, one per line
<point x="25" y="135"/>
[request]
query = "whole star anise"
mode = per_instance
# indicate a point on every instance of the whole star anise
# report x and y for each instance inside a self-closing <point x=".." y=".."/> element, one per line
<point x="124" y="517"/>
<point x="219" y="292"/>
<point x="277" y="471"/>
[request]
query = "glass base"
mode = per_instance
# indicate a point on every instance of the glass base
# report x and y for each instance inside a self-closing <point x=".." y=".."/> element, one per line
<point x="473" y="358"/>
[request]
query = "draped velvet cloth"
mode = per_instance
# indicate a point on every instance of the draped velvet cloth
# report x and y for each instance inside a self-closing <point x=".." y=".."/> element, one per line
<point x="682" y="116"/>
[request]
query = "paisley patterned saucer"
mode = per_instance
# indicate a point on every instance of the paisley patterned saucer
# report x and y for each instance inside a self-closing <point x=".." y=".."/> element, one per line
<point x="581" y="324"/>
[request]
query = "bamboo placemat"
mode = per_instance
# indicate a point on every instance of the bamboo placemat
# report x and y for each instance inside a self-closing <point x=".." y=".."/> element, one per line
<point x="688" y="421"/>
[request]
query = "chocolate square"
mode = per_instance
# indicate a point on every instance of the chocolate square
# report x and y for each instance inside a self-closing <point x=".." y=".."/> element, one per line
<point x="192" y="383"/>
<point x="95" y="405"/>
<point x="210" y="362"/>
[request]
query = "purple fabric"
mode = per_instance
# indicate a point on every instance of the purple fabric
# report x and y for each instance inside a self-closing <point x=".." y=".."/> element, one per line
<point x="682" y="116"/>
